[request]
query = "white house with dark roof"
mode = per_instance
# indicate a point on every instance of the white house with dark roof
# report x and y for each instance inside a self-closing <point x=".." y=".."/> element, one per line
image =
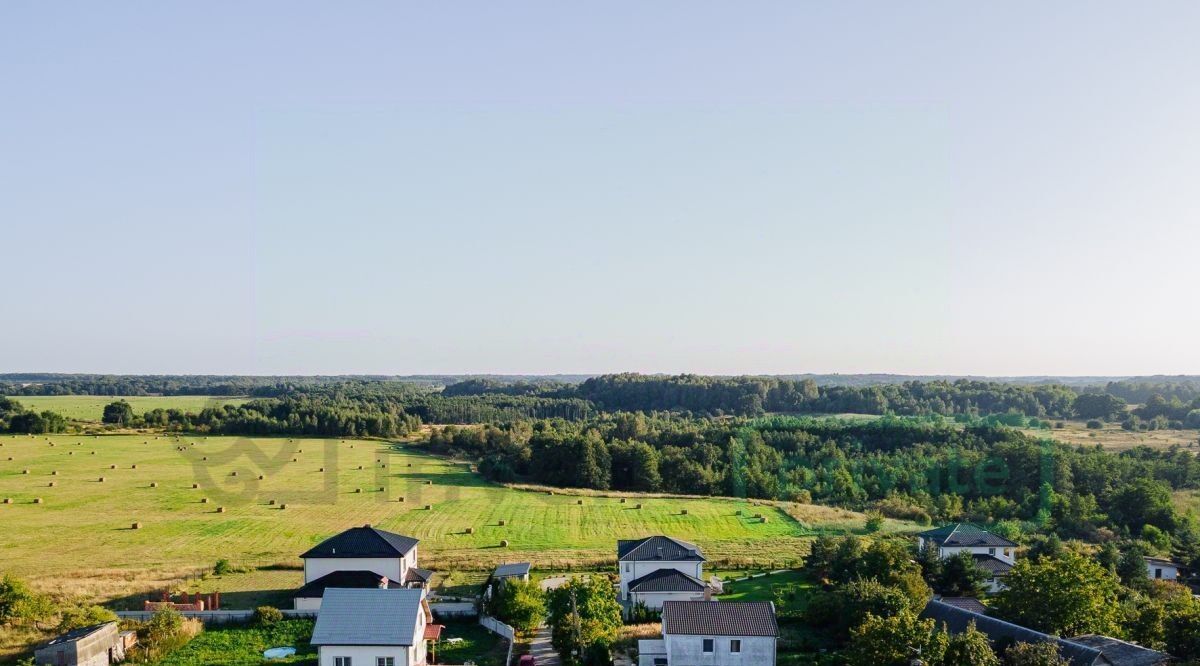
<point x="713" y="633"/>
<point x="373" y="627"/>
<point x="994" y="554"/>
<point x="365" y="549"/>
<point x="658" y="569"/>
<point x="1158" y="568"/>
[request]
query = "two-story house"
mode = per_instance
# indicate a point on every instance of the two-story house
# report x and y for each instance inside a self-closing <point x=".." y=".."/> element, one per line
<point x="360" y="557"/>
<point x="713" y="633"/>
<point x="374" y="627"/>
<point x="658" y="569"/>
<point x="992" y="553"/>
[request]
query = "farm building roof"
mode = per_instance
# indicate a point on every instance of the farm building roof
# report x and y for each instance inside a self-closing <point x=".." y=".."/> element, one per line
<point x="666" y="580"/>
<point x="658" y="549"/>
<point x="82" y="632"/>
<point x="962" y="535"/>
<point x="365" y="541"/>
<point x="719" y="618"/>
<point x="368" y="617"/>
<point x="514" y="569"/>
<point x="343" y="579"/>
<point x="966" y="603"/>
<point x="956" y="620"/>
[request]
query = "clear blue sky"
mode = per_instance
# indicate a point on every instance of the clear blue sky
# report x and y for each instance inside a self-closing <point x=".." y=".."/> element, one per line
<point x="399" y="187"/>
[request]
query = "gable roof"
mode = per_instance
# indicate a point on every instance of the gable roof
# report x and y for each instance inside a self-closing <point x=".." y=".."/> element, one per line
<point x="417" y="575"/>
<point x="658" y="549"/>
<point x="343" y="579"/>
<point x="962" y="535"/>
<point x="368" y="617"/>
<point x="510" y="570"/>
<point x="666" y="580"/>
<point x="955" y="620"/>
<point x="990" y="564"/>
<point x="365" y="541"/>
<point x="719" y="618"/>
<point x="1121" y="653"/>
<point x="1163" y="562"/>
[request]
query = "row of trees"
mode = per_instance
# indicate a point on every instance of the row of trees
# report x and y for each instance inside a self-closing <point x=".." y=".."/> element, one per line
<point x="16" y="418"/>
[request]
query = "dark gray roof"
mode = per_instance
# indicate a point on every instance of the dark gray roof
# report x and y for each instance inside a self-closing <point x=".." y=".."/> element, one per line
<point x="658" y="549"/>
<point x="365" y="541"/>
<point x="1163" y="562"/>
<point x="418" y="575"/>
<point x="992" y="565"/>
<point x="966" y="603"/>
<point x="343" y="579"/>
<point x="368" y="617"/>
<point x="961" y="535"/>
<point x="511" y="570"/>
<point x="666" y="580"/>
<point x="719" y="618"/>
<point x="1002" y="634"/>
<point x="1120" y="653"/>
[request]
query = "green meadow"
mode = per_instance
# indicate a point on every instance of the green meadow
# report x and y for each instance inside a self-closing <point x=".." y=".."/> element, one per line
<point x="91" y="407"/>
<point x="82" y="532"/>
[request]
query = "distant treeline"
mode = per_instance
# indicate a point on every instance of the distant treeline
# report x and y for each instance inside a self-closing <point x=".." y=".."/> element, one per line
<point x="907" y="468"/>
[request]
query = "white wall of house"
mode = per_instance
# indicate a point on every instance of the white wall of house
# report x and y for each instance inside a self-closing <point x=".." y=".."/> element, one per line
<point x="392" y="567"/>
<point x="366" y="655"/>
<point x="631" y="571"/>
<point x="1003" y="554"/>
<point x="654" y="600"/>
<point x="1159" y="571"/>
<point x="689" y="651"/>
<point x="307" y="603"/>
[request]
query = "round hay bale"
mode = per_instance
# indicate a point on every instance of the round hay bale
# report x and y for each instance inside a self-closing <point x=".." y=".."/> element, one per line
<point x="70" y="453"/>
<point x="112" y="466"/>
<point x="429" y="482"/>
<point x="54" y="473"/>
<point x="764" y="519"/>
<point x="195" y="486"/>
<point x="271" y="503"/>
<point x="410" y="464"/>
<point x="549" y="492"/>
<point x="204" y="500"/>
<point x="360" y="466"/>
<point x="358" y="490"/>
<point x="580" y="502"/>
<point x="282" y="506"/>
<point x="295" y="460"/>
<point x="133" y="466"/>
<point x="51" y="443"/>
<point x="101" y="479"/>
<point x="8" y="500"/>
<point x="321" y="470"/>
<point x="379" y="460"/>
<point x="623" y="500"/>
<point x="429" y="507"/>
<point x="220" y="509"/>
<point x="470" y="530"/>
<point x="93" y="453"/>
<point x="24" y="471"/>
<point x="153" y="484"/>
<point x="738" y="512"/>
<point x="135" y="526"/>
<point x="204" y="458"/>
<point x="233" y="473"/>
<point x="299" y="450"/>
<point x="502" y="523"/>
<point x="638" y="506"/>
<point x="50" y="485"/>
<point x="400" y="499"/>
<point x="504" y="543"/>
<point x="380" y="488"/>
<point x="37" y="500"/>
<point x="261" y="477"/>
<point x="683" y="512"/>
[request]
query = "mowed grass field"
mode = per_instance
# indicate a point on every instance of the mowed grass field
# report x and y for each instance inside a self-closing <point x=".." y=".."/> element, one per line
<point x="81" y="534"/>
<point x="91" y="407"/>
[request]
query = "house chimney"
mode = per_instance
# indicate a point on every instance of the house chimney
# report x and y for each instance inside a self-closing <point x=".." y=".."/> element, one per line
<point x="383" y="583"/>
<point x="367" y="526"/>
<point x="660" y="556"/>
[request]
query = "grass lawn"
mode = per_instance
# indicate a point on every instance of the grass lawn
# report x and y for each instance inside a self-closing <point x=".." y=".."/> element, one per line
<point x="81" y="534"/>
<point x="478" y="645"/>
<point x="91" y="407"/>
<point x="237" y="645"/>
<point x="763" y="588"/>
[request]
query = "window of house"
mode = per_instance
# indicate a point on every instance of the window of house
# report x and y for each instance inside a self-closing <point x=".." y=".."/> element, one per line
<point x="1158" y="573"/>
<point x="341" y="661"/>
<point x="708" y="646"/>
<point x="62" y="658"/>
<point x="991" y="551"/>
<point x="385" y="661"/>
<point x="1008" y="552"/>
<point x="626" y="567"/>
<point x="735" y="645"/>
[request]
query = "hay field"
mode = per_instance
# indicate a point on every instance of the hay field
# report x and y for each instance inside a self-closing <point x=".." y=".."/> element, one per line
<point x="82" y="533"/>
<point x="91" y="407"/>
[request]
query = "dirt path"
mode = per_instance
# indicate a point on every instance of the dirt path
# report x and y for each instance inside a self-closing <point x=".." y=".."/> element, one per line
<point x="543" y="653"/>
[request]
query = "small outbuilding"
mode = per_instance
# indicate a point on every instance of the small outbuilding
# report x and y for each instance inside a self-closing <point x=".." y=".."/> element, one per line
<point x="97" y="645"/>
<point x="515" y="570"/>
